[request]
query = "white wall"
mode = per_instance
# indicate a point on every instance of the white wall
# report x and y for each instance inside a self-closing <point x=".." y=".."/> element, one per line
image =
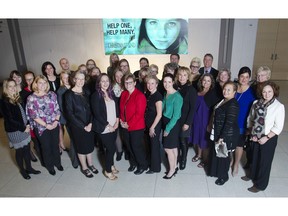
<point x="7" y="60"/>
<point x="81" y="39"/>
<point x="244" y="42"/>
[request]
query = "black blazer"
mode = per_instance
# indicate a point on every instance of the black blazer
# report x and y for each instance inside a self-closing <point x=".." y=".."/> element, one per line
<point x="77" y="109"/>
<point x="226" y="123"/>
<point x="13" y="120"/>
<point x="211" y="98"/>
<point x="213" y="72"/>
<point x="99" y="111"/>
<point x="189" y="95"/>
<point x="56" y="83"/>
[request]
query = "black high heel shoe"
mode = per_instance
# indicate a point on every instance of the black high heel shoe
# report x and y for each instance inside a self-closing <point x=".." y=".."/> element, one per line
<point x="176" y="170"/>
<point x="174" y="174"/>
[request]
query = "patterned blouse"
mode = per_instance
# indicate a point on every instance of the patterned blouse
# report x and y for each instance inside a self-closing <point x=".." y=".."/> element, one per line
<point x="44" y="107"/>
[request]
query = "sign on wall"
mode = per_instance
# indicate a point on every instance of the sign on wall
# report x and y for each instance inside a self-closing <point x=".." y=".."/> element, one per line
<point x="145" y="36"/>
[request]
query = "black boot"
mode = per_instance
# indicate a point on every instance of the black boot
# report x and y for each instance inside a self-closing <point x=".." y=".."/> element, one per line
<point x="119" y="156"/>
<point x="183" y="156"/>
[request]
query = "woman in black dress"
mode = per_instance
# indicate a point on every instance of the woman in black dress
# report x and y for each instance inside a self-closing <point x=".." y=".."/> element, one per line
<point x="153" y="117"/>
<point x="79" y="119"/>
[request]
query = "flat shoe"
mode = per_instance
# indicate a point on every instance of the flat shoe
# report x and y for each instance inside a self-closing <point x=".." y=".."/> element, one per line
<point x="220" y="181"/>
<point x="33" y="171"/>
<point x="150" y="172"/>
<point x="245" y="178"/>
<point x="93" y="169"/>
<point x="52" y="172"/>
<point x="60" y="168"/>
<point x="253" y="189"/>
<point x="131" y="168"/>
<point x="87" y="173"/>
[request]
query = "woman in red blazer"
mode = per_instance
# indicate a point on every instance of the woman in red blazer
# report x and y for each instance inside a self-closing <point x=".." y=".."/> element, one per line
<point x="132" y="111"/>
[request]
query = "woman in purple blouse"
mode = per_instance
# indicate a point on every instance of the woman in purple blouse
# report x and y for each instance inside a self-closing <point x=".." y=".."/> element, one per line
<point x="43" y="114"/>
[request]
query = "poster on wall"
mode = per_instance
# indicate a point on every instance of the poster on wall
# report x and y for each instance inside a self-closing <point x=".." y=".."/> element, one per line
<point x="145" y="36"/>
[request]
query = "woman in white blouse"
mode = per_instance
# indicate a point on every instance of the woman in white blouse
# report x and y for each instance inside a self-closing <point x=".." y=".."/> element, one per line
<point x="266" y="121"/>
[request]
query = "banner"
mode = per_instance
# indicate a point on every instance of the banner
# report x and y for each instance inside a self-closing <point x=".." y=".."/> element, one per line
<point x="145" y="36"/>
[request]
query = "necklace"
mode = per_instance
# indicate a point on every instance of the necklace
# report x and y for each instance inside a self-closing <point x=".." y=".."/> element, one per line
<point x="240" y="96"/>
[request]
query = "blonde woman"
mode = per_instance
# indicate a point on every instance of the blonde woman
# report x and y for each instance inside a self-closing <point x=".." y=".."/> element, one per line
<point x="64" y="87"/>
<point x="189" y="94"/>
<point x="43" y="114"/>
<point x="17" y="127"/>
<point x="195" y="65"/>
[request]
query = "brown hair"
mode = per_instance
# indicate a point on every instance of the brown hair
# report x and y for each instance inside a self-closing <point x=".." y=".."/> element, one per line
<point x="274" y="86"/>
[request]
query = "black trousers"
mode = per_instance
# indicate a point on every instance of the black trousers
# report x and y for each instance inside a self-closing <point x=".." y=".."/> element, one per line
<point x="72" y="152"/>
<point x="49" y="141"/>
<point x="154" y="151"/>
<point x="108" y="140"/>
<point x="135" y="145"/>
<point x="262" y="161"/>
<point x="218" y="167"/>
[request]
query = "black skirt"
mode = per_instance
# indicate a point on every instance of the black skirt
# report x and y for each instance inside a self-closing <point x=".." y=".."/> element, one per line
<point x="83" y="140"/>
<point x="172" y="140"/>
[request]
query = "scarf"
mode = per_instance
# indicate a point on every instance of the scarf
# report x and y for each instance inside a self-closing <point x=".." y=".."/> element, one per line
<point x="259" y="118"/>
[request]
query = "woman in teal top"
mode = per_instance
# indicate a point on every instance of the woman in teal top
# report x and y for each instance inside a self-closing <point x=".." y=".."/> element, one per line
<point x="172" y="104"/>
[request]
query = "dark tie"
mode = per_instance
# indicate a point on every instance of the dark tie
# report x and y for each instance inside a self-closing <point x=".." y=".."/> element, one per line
<point x="206" y="71"/>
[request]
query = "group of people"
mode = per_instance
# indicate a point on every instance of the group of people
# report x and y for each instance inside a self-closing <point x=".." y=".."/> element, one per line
<point x="136" y="115"/>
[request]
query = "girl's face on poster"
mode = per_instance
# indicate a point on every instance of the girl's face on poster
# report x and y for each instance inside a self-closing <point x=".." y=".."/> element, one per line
<point x="162" y="32"/>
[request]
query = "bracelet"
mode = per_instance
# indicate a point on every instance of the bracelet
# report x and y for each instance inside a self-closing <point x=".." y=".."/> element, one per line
<point x="56" y="120"/>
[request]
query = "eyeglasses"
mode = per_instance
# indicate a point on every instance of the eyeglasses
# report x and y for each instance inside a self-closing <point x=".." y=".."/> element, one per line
<point x="123" y="65"/>
<point x="192" y="66"/>
<point x="129" y="83"/>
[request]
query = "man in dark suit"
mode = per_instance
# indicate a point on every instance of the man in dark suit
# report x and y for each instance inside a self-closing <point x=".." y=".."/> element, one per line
<point x="208" y="60"/>
<point x="175" y="58"/>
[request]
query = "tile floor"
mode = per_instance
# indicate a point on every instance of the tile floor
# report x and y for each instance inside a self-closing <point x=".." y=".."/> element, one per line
<point x="190" y="183"/>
